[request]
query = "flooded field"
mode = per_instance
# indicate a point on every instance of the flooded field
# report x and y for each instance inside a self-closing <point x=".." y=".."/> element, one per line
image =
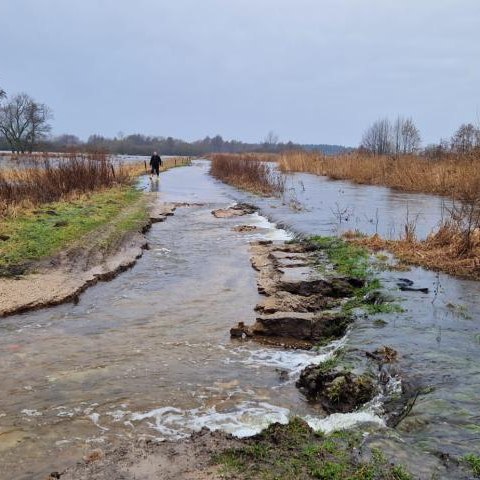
<point x="149" y="353"/>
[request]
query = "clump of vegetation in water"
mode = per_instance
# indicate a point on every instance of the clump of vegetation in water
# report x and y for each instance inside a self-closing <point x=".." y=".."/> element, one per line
<point x="249" y="173"/>
<point x="347" y="259"/>
<point x="294" y="451"/>
<point x="353" y="261"/>
<point x="473" y="462"/>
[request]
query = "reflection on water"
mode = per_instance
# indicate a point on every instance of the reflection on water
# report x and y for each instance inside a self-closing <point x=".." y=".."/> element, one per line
<point x="149" y="353"/>
<point x="326" y="206"/>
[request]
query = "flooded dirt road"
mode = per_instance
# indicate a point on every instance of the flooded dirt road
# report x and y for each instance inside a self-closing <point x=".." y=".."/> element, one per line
<point x="149" y="352"/>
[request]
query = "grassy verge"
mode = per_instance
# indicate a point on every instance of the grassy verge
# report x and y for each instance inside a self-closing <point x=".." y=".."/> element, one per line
<point x="348" y="259"/>
<point x="294" y="451"/>
<point x="39" y="233"/>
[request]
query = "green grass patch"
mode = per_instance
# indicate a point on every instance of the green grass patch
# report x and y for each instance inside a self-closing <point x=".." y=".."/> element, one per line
<point x="473" y="461"/>
<point x="348" y="259"/>
<point x="293" y="451"/>
<point x="354" y="261"/>
<point x="40" y="233"/>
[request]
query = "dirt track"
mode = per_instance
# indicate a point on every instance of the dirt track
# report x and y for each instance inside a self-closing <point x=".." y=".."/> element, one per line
<point x="62" y="278"/>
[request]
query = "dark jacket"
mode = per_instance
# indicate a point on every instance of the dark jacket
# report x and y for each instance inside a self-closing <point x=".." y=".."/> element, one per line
<point x="155" y="161"/>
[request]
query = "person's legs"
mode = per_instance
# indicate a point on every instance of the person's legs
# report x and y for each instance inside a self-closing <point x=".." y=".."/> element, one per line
<point x="157" y="169"/>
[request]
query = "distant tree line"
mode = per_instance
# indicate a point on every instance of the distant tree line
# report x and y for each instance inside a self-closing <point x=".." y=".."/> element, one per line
<point x="402" y="136"/>
<point x="134" y="144"/>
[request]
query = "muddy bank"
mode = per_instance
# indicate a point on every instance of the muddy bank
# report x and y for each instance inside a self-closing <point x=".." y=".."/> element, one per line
<point x="65" y="276"/>
<point x="288" y="452"/>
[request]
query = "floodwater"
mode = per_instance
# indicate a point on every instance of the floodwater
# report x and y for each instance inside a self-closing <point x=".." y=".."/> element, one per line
<point x="149" y="353"/>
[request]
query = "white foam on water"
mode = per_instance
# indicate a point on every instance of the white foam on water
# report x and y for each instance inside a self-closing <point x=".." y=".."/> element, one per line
<point x="243" y="420"/>
<point x="291" y="361"/>
<point x="31" y="413"/>
<point x="344" y="421"/>
<point x="267" y="229"/>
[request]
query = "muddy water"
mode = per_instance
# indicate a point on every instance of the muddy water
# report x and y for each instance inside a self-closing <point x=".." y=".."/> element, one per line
<point x="149" y="352"/>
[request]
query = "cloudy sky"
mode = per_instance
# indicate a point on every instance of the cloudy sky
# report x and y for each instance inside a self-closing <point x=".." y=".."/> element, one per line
<point x="313" y="71"/>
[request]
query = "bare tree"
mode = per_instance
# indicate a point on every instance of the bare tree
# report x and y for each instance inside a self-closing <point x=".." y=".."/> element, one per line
<point x="3" y="94"/>
<point x="410" y="137"/>
<point x="378" y="138"/>
<point x="466" y="138"/>
<point x="23" y="122"/>
<point x="270" y="141"/>
<point x="384" y="138"/>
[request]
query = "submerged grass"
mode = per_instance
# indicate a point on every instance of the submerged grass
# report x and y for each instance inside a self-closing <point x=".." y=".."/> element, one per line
<point x="354" y="261"/>
<point x="348" y="259"/>
<point x="37" y="234"/>
<point x="293" y="451"/>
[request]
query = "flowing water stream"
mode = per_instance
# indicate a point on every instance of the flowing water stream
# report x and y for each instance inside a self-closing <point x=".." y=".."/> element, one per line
<point x="149" y="353"/>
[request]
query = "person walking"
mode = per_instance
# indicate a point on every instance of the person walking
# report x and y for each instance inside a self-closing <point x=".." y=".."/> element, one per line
<point x="155" y="163"/>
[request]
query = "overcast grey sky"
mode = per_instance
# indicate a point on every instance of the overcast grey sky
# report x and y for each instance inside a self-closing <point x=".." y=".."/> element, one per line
<point x="314" y="71"/>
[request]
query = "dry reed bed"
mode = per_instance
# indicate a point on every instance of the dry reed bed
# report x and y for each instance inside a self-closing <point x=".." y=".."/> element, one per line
<point x="249" y="172"/>
<point x="442" y="251"/>
<point x="65" y="179"/>
<point x="452" y="175"/>
<point x="52" y="182"/>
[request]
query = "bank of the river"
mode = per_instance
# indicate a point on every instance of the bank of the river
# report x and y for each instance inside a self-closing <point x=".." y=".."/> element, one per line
<point x="51" y="254"/>
<point x="287" y="452"/>
<point x="439" y="252"/>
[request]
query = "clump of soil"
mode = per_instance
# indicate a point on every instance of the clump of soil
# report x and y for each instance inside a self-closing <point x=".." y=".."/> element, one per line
<point x="297" y="297"/>
<point x="238" y="210"/>
<point x="336" y="390"/>
<point x="244" y="228"/>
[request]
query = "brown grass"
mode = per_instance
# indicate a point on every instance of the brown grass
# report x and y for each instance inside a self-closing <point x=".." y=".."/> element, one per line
<point x="443" y="250"/>
<point x="249" y="172"/>
<point x="452" y="175"/>
<point x="66" y="178"/>
<point x="259" y="157"/>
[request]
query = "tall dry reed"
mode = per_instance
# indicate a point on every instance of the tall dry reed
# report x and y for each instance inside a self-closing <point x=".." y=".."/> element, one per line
<point x="58" y="180"/>
<point x="452" y="175"/>
<point x="248" y="172"/>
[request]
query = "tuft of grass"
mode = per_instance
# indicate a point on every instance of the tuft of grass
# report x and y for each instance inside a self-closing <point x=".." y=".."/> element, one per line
<point x="293" y="451"/>
<point x="348" y="259"/>
<point x="473" y="461"/>
<point x="354" y="261"/>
